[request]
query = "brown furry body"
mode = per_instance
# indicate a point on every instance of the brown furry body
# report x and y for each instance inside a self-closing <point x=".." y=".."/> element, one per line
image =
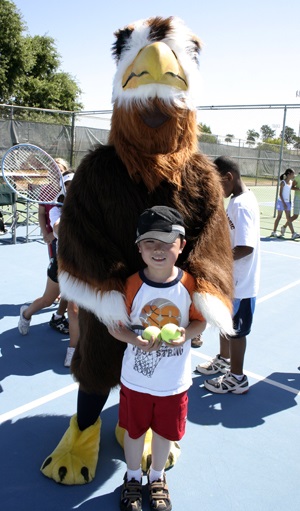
<point x="111" y="188"/>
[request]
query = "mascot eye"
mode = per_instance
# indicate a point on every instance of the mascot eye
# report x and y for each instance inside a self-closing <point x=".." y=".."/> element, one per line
<point x="194" y="51"/>
<point x="119" y="45"/>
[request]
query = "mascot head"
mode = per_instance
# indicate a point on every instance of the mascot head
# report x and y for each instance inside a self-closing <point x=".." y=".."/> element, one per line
<point x="154" y="126"/>
<point x="156" y="58"/>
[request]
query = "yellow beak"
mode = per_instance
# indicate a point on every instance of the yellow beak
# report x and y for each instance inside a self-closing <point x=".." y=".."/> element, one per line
<point x="155" y="63"/>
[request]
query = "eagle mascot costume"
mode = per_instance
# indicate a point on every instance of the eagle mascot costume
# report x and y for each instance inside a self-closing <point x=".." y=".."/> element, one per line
<point x="152" y="158"/>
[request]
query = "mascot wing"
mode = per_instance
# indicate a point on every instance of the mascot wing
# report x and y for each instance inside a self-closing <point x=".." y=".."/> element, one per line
<point x="92" y="265"/>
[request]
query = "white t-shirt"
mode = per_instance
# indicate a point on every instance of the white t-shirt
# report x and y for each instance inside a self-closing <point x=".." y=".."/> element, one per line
<point x="244" y="226"/>
<point x="54" y="215"/>
<point x="167" y="371"/>
<point x="286" y="192"/>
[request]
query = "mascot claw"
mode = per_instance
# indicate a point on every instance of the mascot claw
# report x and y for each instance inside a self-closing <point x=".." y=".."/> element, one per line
<point x="146" y="458"/>
<point x="75" y="458"/>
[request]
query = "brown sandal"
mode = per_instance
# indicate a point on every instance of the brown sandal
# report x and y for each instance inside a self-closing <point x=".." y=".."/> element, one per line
<point x="197" y="342"/>
<point x="131" y="495"/>
<point x="159" y="495"/>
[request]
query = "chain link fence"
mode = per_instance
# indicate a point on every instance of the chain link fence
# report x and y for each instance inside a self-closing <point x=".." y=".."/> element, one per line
<point x="70" y="135"/>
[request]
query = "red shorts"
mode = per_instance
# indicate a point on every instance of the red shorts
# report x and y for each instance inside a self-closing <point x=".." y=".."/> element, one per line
<point x="166" y="415"/>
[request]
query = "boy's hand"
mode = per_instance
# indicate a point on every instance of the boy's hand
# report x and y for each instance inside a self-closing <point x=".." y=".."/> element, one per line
<point x="153" y="345"/>
<point x="122" y="333"/>
<point x="180" y="340"/>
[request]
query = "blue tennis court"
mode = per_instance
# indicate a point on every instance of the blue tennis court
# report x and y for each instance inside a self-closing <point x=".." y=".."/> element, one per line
<point x="239" y="452"/>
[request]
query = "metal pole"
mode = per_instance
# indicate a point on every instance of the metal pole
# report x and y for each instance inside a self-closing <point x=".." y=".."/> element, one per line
<point x="72" y="158"/>
<point x="280" y="157"/>
<point x="257" y="167"/>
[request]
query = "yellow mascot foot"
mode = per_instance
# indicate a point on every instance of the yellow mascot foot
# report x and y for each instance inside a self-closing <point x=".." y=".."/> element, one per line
<point x="74" y="460"/>
<point x="146" y="458"/>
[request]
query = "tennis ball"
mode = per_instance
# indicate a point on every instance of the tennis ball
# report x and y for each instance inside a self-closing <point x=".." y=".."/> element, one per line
<point x="170" y="332"/>
<point x="151" y="331"/>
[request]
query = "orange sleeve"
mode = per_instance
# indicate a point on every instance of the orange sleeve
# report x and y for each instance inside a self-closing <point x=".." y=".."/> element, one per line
<point x="189" y="283"/>
<point x="133" y="284"/>
<point x="195" y="314"/>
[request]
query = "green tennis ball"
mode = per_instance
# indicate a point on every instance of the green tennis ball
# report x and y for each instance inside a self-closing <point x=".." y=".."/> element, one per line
<point x="151" y="331"/>
<point x="170" y="332"/>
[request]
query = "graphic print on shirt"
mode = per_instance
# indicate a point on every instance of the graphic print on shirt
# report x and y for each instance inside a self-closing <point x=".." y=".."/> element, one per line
<point x="157" y="312"/>
<point x="231" y="224"/>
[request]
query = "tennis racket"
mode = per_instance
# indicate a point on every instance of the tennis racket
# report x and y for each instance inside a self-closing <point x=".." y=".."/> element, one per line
<point x="32" y="174"/>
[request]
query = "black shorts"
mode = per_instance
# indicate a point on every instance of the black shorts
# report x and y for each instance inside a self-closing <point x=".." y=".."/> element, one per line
<point x="52" y="270"/>
<point x="53" y="246"/>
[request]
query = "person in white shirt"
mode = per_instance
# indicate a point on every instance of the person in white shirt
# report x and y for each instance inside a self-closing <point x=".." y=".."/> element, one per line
<point x="244" y="225"/>
<point x="72" y="308"/>
<point x="284" y="204"/>
<point x="58" y="321"/>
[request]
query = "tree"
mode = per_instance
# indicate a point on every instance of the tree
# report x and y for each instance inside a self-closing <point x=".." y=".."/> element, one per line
<point x="204" y="128"/>
<point x="252" y="135"/>
<point x="297" y="142"/>
<point x="289" y="135"/>
<point x="206" y="134"/>
<point x="30" y="67"/>
<point x="229" y="138"/>
<point x="11" y="48"/>
<point x="267" y="132"/>
<point x="272" y="144"/>
<point x="274" y="141"/>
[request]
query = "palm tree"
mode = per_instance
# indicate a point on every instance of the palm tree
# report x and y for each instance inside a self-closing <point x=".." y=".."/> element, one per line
<point x="229" y="138"/>
<point x="252" y="135"/>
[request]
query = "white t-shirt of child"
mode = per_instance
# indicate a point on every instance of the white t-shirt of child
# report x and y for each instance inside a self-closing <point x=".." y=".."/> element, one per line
<point x="167" y="371"/>
<point x="54" y="215"/>
<point x="244" y="226"/>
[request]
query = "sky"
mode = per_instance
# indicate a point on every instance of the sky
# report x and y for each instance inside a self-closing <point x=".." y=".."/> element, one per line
<point x="250" y="55"/>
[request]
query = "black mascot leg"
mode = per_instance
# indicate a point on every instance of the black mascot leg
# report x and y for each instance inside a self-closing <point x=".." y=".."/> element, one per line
<point x="89" y="407"/>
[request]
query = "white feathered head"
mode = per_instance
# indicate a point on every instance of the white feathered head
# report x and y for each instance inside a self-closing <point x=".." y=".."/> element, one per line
<point x="156" y="58"/>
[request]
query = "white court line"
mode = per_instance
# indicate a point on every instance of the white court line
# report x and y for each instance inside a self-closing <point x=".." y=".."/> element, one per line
<point x="37" y="402"/>
<point x="54" y="395"/>
<point x="278" y="292"/>
<point x="279" y="254"/>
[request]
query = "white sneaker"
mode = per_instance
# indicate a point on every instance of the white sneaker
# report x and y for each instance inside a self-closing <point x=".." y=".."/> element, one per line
<point x="216" y="365"/>
<point x="24" y="324"/>
<point x="295" y="236"/>
<point x="273" y="234"/>
<point x="227" y="383"/>
<point x="69" y="356"/>
<point x="282" y="230"/>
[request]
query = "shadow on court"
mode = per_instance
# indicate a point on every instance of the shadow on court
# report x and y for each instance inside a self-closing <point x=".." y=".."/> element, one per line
<point x="25" y="444"/>
<point x="242" y="411"/>
<point x="25" y="355"/>
<point x="13" y="310"/>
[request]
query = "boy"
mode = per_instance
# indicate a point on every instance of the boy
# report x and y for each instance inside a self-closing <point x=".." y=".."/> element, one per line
<point x="155" y="375"/>
<point x="243" y="218"/>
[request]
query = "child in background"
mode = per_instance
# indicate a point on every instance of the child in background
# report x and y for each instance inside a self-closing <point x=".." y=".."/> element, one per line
<point x="55" y="214"/>
<point x="155" y="375"/>
<point x="43" y="214"/>
<point x="52" y="290"/>
<point x="284" y="203"/>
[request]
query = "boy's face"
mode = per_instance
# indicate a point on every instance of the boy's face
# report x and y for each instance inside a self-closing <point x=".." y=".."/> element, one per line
<point x="158" y="255"/>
